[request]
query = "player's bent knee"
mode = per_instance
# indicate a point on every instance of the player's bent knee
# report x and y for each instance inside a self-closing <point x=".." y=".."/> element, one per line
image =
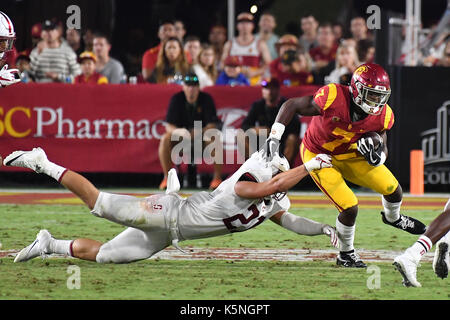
<point x="98" y="207"/>
<point x="109" y="254"/>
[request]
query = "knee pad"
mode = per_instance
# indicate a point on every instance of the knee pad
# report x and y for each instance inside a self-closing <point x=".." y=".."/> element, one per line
<point x="104" y="254"/>
<point x="97" y="211"/>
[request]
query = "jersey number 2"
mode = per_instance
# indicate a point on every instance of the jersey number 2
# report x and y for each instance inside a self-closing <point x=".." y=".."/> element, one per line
<point x="243" y="220"/>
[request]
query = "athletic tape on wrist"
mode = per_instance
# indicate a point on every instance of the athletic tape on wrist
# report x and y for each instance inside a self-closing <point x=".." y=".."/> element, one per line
<point x="277" y="131"/>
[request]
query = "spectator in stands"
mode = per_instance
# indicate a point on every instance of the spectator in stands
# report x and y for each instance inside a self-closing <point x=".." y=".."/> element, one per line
<point x="73" y="38"/>
<point x="217" y="38"/>
<point x="36" y="31"/>
<point x="350" y="42"/>
<point x="436" y="53"/>
<point x="260" y="118"/>
<point x="293" y="67"/>
<point x="346" y="63"/>
<point x="231" y="74"/>
<point x="366" y="50"/>
<point x="324" y="54"/>
<point x="24" y="67"/>
<point x="192" y="49"/>
<point x="55" y="63"/>
<point x="106" y="65"/>
<point x="445" y="60"/>
<point x="60" y="29"/>
<point x="206" y="66"/>
<point x="166" y="30"/>
<point x="308" y="39"/>
<point x="88" y="40"/>
<point x="88" y="74"/>
<point x="338" y="31"/>
<point x="171" y="65"/>
<point x="254" y="53"/>
<point x="180" y="30"/>
<point x="185" y="107"/>
<point x="358" y="28"/>
<point x="267" y="24"/>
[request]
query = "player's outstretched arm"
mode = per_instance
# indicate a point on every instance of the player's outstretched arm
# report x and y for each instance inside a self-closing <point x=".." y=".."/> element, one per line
<point x="281" y="182"/>
<point x="304" y="226"/>
<point x="304" y="106"/>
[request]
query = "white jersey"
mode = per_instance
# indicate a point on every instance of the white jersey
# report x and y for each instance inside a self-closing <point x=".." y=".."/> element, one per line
<point x="157" y="221"/>
<point x="222" y="211"/>
<point x="250" y="55"/>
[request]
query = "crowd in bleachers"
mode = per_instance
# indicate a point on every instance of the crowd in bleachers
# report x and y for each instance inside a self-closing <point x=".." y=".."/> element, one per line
<point x="325" y="52"/>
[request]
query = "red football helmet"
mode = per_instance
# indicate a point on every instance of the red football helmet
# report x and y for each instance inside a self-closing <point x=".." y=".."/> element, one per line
<point x="370" y="88"/>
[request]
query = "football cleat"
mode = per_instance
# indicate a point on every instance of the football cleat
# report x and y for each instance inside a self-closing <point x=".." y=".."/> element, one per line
<point x="36" y="249"/>
<point x="441" y="261"/>
<point x="407" y="266"/>
<point x="33" y="159"/>
<point x="350" y="260"/>
<point x="407" y="224"/>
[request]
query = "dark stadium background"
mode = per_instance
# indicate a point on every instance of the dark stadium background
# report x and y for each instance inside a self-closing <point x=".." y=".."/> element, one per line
<point x="133" y="24"/>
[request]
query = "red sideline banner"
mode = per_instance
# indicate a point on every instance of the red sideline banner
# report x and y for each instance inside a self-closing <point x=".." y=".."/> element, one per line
<point x="107" y="128"/>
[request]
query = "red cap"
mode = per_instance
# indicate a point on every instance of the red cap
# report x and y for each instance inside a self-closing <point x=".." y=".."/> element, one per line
<point x="36" y="30"/>
<point x="233" y="61"/>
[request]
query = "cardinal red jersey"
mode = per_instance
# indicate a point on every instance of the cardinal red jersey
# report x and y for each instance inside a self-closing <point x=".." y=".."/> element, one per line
<point x="333" y="132"/>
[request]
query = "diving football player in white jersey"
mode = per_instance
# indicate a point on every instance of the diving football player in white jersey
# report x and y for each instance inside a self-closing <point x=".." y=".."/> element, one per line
<point x="7" y="37"/>
<point x="253" y="194"/>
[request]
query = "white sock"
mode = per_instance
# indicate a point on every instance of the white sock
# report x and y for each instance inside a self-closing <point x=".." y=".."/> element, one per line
<point x="53" y="170"/>
<point x="391" y="210"/>
<point x="61" y="247"/>
<point x="346" y="235"/>
<point x="420" y="247"/>
<point x="447" y="206"/>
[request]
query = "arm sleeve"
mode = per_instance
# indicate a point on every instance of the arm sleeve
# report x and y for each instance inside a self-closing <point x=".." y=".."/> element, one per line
<point x="300" y="225"/>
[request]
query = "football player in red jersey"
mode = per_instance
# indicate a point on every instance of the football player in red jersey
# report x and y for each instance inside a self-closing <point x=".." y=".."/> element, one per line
<point x="342" y="115"/>
<point x="7" y="37"/>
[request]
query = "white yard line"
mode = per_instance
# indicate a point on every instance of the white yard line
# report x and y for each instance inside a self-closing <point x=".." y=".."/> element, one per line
<point x="299" y="255"/>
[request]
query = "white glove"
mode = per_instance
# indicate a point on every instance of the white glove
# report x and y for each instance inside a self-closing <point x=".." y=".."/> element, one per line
<point x="331" y="232"/>
<point x="8" y="77"/>
<point x="318" y="162"/>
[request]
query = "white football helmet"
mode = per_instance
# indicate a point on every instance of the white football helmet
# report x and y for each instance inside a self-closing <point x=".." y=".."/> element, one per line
<point x="7" y="34"/>
<point x="264" y="170"/>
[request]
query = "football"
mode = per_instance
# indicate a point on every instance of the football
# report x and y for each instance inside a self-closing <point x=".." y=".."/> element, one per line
<point x="376" y="138"/>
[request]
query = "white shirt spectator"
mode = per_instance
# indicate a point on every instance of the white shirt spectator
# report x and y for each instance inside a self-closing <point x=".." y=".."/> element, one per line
<point x="61" y="60"/>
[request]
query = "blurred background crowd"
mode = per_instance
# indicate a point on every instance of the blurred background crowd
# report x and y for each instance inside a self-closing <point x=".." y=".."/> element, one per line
<point x="307" y="47"/>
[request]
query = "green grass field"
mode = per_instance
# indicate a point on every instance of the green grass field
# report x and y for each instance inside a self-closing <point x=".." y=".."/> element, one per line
<point x="208" y="279"/>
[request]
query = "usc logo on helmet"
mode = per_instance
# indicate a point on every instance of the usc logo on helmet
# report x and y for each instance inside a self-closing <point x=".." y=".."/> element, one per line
<point x="360" y="70"/>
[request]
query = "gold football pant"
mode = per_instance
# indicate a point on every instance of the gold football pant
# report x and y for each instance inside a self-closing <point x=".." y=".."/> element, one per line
<point x="355" y="170"/>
